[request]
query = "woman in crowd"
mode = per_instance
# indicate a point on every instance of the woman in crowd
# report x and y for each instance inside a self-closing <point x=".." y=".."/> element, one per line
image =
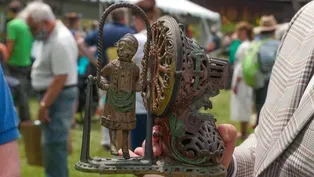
<point x="241" y="95"/>
<point x="149" y="7"/>
<point x="238" y="38"/>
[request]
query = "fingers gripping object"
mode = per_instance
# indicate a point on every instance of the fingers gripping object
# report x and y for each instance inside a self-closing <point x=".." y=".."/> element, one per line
<point x="178" y="78"/>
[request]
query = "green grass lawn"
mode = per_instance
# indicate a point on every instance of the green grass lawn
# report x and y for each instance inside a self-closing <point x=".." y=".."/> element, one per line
<point x="220" y="111"/>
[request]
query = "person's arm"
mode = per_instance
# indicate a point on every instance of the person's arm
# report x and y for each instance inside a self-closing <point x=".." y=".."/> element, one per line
<point x="9" y="152"/>
<point x="54" y="90"/>
<point x="239" y="53"/>
<point x="4" y="52"/>
<point x="10" y="47"/>
<point x="61" y="61"/>
<point x="91" y="41"/>
<point x="84" y="50"/>
<point x="244" y="158"/>
<point x="10" y="164"/>
<point x="104" y="73"/>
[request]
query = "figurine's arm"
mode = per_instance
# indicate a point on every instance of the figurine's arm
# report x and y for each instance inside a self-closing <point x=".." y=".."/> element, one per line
<point x="105" y="71"/>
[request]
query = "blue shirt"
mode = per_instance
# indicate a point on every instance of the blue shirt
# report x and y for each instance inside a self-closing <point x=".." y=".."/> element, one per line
<point x="112" y="34"/>
<point x="8" y="116"/>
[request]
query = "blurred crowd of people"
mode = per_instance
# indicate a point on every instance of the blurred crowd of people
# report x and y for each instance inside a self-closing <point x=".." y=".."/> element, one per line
<point x="262" y="42"/>
<point x="247" y="101"/>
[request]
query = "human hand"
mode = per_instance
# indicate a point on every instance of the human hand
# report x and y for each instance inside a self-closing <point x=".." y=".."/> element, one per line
<point x="235" y="89"/>
<point x="228" y="133"/>
<point x="4" y="51"/>
<point x="43" y="115"/>
<point x="229" y="136"/>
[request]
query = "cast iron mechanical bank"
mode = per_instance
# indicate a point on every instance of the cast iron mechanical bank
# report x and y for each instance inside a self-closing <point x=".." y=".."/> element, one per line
<point x="177" y="79"/>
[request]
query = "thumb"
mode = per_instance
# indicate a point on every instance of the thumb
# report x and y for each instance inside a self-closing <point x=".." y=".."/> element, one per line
<point x="229" y="136"/>
<point x="157" y="150"/>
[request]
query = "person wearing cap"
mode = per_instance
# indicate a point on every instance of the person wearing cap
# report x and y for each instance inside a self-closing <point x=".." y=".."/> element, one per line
<point x="19" y="46"/>
<point x="267" y="56"/>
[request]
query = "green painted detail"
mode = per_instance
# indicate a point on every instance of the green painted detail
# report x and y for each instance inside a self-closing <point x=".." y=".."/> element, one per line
<point x="197" y="55"/>
<point x="176" y="126"/>
<point x="177" y="130"/>
<point x="121" y="101"/>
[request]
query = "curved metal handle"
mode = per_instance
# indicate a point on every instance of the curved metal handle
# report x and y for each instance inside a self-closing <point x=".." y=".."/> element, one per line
<point x="100" y="39"/>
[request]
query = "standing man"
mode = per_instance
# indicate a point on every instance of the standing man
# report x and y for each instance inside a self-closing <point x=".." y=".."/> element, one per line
<point x="19" y="45"/>
<point x="9" y="149"/>
<point x="54" y="77"/>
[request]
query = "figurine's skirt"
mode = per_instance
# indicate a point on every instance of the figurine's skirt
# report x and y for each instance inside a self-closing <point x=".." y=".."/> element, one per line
<point x="117" y="120"/>
<point x="112" y="124"/>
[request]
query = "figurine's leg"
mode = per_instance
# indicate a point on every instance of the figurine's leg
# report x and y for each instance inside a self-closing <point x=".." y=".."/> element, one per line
<point x="113" y="142"/>
<point x="125" y="144"/>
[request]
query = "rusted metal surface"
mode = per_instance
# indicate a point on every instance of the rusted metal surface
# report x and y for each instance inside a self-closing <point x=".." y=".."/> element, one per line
<point x="178" y="79"/>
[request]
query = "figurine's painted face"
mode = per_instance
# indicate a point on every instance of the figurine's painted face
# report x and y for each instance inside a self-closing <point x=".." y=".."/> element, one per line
<point x="126" y="50"/>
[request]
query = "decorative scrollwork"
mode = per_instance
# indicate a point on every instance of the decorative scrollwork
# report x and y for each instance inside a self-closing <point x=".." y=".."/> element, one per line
<point x="164" y="52"/>
<point x="200" y="74"/>
<point x="201" y="141"/>
<point x="193" y="138"/>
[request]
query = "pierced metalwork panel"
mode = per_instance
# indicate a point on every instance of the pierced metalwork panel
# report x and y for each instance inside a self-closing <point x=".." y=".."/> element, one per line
<point x="165" y="50"/>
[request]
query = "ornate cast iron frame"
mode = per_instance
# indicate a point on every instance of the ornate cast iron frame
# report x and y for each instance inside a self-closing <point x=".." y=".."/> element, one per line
<point x="209" y="78"/>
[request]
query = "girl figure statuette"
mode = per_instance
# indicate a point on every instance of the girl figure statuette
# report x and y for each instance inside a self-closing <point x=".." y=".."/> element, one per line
<point x="119" y="110"/>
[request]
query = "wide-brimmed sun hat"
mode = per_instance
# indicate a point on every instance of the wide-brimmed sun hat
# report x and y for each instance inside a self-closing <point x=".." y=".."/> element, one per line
<point x="267" y="23"/>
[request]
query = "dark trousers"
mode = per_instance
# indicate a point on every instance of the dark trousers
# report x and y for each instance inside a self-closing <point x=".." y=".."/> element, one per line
<point x="138" y="134"/>
<point x="21" y="91"/>
<point x="231" y="68"/>
<point x="260" y="97"/>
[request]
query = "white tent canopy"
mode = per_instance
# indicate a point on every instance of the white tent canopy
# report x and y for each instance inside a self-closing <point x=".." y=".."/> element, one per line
<point x="179" y="7"/>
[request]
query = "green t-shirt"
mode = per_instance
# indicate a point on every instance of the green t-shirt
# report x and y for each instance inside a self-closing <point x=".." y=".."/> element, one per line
<point x="18" y="31"/>
<point x="233" y="50"/>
